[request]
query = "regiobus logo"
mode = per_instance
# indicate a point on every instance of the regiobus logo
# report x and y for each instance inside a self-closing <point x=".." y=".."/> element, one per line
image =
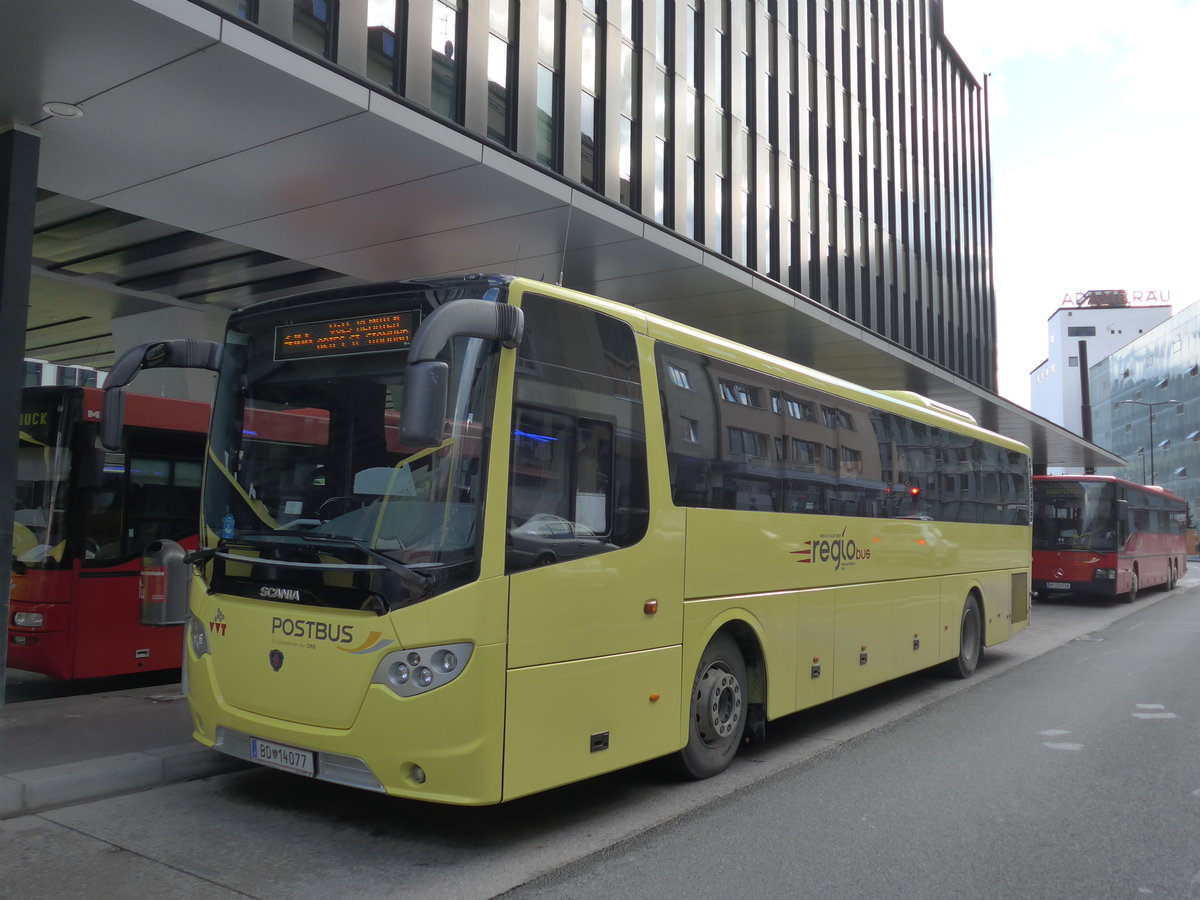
<point x="835" y="549"/>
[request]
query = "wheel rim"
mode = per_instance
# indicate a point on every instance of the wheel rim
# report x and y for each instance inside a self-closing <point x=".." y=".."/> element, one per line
<point x="718" y="704"/>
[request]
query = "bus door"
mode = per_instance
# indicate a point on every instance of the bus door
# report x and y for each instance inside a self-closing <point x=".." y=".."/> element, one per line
<point x="595" y="591"/>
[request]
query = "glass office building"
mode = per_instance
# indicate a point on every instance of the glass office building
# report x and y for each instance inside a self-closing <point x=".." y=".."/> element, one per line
<point x="838" y="147"/>
<point x="1146" y="406"/>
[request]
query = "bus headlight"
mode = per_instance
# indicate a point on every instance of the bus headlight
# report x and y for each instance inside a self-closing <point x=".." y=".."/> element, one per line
<point x="197" y="636"/>
<point x="404" y="673"/>
<point x="1105" y="575"/>
<point x="28" y="619"/>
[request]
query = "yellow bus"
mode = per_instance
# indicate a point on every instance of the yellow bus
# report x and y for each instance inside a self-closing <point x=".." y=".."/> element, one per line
<point x="469" y="539"/>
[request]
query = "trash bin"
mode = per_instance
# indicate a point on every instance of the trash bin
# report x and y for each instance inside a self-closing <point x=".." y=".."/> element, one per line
<point x="164" y="584"/>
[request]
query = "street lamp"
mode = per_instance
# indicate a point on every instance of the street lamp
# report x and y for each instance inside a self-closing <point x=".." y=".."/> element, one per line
<point x="1151" y="444"/>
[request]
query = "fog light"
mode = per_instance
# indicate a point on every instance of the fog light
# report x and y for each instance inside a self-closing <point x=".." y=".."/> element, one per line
<point x="28" y="619"/>
<point x="417" y="774"/>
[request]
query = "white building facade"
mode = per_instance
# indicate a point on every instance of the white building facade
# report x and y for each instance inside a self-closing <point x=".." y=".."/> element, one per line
<point x="1079" y="336"/>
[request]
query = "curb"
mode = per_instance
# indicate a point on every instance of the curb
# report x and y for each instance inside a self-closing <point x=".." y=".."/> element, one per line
<point x="38" y="790"/>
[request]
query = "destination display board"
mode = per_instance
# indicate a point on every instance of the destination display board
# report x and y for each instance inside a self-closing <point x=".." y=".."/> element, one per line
<point x="344" y="337"/>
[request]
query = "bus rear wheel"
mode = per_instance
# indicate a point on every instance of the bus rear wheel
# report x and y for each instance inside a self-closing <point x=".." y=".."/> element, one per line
<point x="970" y="641"/>
<point x="717" y="717"/>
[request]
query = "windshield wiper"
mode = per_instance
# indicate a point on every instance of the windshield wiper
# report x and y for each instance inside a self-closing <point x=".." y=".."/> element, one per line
<point x="327" y="541"/>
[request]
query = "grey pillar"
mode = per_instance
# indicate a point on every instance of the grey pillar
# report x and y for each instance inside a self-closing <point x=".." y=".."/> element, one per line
<point x="18" y="196"/>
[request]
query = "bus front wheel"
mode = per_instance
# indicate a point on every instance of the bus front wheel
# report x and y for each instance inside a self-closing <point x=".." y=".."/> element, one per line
<point x="1131" y="595"/>
<point x="718" y="709"/>
<point x="970" y="641"/>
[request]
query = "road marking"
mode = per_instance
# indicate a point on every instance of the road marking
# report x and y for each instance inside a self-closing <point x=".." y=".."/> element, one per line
<point x="1053" y="732"/>
<point x="1054" y="746"/>
<point x="1153" y="715"/>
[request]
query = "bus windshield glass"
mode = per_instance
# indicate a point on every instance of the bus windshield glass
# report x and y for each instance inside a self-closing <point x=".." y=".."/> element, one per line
<point x="306" y="465"/>
<point x="43" y="475"/>
<point x="1074" y="515"/>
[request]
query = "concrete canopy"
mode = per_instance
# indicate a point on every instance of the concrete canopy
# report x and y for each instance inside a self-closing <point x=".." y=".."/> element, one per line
<point x="213" y="167"/>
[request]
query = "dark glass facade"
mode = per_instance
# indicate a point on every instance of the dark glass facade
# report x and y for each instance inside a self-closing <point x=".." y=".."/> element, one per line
<point x="1146" y="407"/>
<point x="838" y="147"/>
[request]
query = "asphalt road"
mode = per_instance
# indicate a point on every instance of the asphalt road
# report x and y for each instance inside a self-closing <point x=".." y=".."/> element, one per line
<point x="1076" y="775"/>
<point x="1066" y="768"/>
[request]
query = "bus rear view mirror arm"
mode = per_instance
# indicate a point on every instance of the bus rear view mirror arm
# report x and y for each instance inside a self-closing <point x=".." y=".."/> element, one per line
<point x="181" y="353"/>
<point x="426" y="382"/>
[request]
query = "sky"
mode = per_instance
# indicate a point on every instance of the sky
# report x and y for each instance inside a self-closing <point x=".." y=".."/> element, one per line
<point x="1095" y="139"/>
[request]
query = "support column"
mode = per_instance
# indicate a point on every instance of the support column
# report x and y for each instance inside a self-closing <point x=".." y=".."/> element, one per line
<point x="19" y="147"/>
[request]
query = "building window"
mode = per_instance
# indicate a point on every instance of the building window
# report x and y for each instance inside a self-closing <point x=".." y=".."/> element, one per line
<point x="836" y="418"/>
<point x="664" y="109"/>
<point x="590" y="108"/>
<point x="1073" y="361"/>
<point x="445" y="42"/>
<point x="691" y="430"/>
<point x="314" y="26"/>
<point x="499" y="72"/>
<point x="1081" y="331"/>
<point x="739" y="393"/>
<point x="748" y="443"/>
<point x="679" y="377"/>
<point x="548" y="77"/>
<point x="806" y="453"/>
<point x="384" y="45"/>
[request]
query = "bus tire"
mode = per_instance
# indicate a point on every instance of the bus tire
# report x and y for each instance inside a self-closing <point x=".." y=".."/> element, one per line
<point x="1131" y="594"/>
<point x="1171" y="576"/>
<point x="718" y="708"/>
<point x="970" y="641"/>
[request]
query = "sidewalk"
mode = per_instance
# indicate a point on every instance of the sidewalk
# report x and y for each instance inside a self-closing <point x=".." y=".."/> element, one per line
<point x="71" y="749"/>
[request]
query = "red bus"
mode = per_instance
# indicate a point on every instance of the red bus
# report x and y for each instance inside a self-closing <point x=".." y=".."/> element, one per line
<point x="1096" y="534"/>
<point x="82" y="520"/>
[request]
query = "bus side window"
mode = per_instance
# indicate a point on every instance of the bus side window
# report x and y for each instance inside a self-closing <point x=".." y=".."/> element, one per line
<point x="578" y="483"/>
<point x="102" y="507"/>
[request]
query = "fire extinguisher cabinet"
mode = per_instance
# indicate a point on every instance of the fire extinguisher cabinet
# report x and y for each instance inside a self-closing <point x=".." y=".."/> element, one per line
<point x="164" y="584"/>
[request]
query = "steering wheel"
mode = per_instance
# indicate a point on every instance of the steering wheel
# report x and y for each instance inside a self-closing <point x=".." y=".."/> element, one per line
<point x="339" y="506"/>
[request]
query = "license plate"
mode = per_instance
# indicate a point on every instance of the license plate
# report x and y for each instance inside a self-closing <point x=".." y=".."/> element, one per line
<point x="1058" y="586"/>
<point x="281" y="756"/>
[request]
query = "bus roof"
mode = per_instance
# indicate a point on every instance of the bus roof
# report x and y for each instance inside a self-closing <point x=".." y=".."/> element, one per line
<point x="1108" y="479"/>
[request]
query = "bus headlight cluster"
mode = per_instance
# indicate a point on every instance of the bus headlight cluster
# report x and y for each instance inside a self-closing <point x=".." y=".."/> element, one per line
<point x="197" y="636"/>
<point x="28" y="619"/>
<point x="1105" y="575"/>
<point x="420" y="669"/>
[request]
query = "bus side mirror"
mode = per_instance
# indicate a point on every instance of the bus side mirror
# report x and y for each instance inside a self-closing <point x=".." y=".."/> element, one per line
<point x="427" y="379"/>
<point x="426" y="391"/>
<point x="112" y="421"/>
<point x="182" y="353"/>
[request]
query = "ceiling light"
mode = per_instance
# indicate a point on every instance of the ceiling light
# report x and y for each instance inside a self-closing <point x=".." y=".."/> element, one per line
<point x="63" y="110"/>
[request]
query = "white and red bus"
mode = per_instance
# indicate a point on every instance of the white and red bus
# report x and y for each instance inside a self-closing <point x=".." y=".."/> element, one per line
<point x="1097" y="534"/>
<point x="84" y="517"/>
